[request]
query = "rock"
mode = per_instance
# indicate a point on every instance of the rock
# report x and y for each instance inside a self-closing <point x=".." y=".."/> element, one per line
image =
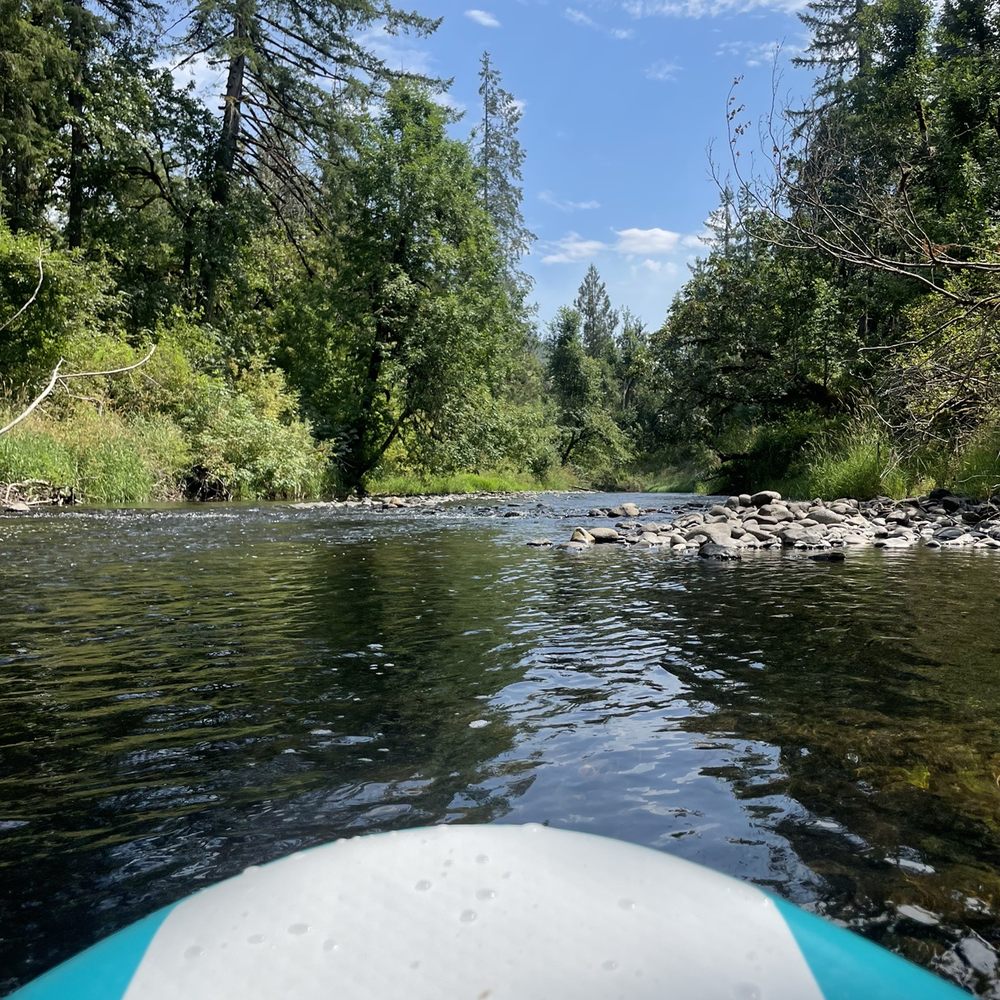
<point x="718" y="510"/>
<point x="778" y="511"/>
<point x="617" y="512"/>
<point x="823" y="515"/>
<point x="952" y="504"/>
<point x="16" y="507"/>
<point x="583" y="536"/>
<point x="718" y="533"/>
<point x="763" y="497"/>
<point x="745" y="500"/>
<point x="949" y="533"/>
<point x="540" y="543"/>
<point x="604" y="535"/>
<point x="827" y="557"/>
<point x="733" y="503"/>
<point x="712" y="550"/>
<point x="574" y="546"/>
<point x="631" y="510"/>
<point x="596" y="512"/>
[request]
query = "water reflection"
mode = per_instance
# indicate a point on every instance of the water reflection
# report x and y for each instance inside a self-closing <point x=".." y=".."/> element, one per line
<point x="188" y="692"/>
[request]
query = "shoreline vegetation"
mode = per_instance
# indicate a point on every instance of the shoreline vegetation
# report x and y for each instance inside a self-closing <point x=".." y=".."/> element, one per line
<point x="331" y="299"/>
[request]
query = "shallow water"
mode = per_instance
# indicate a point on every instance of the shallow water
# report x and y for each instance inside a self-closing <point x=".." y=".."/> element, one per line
<point x="185" y="692"/>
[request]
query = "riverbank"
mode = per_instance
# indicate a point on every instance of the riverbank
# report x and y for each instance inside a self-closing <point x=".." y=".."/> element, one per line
<point x="824" y="530"/>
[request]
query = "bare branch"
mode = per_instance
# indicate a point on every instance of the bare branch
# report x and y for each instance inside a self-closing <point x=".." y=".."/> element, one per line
<point x="58" y="377"/>
<point x="34" y="294"/>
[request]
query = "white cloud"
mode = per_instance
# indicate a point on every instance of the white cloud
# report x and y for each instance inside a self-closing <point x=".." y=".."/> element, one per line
<point x="567" y="206"/>
<point x="396" y="54"/>
<point x="572" y="248"/>
<point x="696" y="241"/>
<point x="451" y="103"/>
<point x="667" y="268"/>
<point x="757" y="54"/>
<point x="482" y="17"/>
<point x="586" y="21"/>
<point x="207" y="81"/>
<point x="647" y="241"/>
<point x="578" y="17"/>
<point x="706" y="8"/>
<point x="662" y="71"/>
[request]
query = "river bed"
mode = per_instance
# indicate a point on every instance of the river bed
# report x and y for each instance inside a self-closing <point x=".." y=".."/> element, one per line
<point x="187" y="691"/>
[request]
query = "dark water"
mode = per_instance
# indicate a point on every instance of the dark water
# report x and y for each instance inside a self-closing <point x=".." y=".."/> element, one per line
<point x="187" y="692"/>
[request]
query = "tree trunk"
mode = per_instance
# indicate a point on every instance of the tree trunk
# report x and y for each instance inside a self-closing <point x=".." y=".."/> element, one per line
<point x="74" y="226"/>
<point x="229" y="139"/>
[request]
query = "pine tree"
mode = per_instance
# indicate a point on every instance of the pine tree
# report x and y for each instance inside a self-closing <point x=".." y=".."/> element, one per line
<point x="599" y="319"/>
<point x="499" y="157"/>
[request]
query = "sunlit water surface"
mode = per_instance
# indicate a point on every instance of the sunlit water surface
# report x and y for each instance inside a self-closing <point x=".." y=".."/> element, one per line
<point x="185" y="692"/>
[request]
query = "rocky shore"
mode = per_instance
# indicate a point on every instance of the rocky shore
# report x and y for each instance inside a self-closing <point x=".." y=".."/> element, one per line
<point x="823" y="530"/>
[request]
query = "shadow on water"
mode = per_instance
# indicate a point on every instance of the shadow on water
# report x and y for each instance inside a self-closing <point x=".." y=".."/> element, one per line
<point x="184" y="693"/>
<point x="875" y="683"/>
<point x="172" y="713"/>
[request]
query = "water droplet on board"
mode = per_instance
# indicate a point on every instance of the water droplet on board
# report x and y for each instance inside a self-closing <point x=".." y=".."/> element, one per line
<point x="610" y="965"/>
<point x="627" y="904"/>
<point x="746" y="991"/>
<point x="467" y="916"/>
<point x="485" y="894"/>
<point x="195" y="951"/>
<point x="423" y="885"/>
<point x="329" y="945"/>
<point x="298" y="929"/>
<point x="482" y="859"/>
<point x="255" y="939"/>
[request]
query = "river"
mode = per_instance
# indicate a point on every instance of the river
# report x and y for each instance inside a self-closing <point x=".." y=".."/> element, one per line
<point x="187" y="691"/>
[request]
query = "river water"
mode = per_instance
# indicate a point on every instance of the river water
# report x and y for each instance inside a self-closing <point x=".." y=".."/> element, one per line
<point x="188" y="691"/>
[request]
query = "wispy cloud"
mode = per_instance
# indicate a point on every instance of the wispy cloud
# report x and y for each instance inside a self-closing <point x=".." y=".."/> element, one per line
<point x="756" y="54"/>
<point x="567" y="206"/>
<point x="572" y="248"/>
<point x="578" y="17"/>
<point x="647" y="241"/>
<point x="668" y="268"/>
<point x="662" y="71"/>
<point x="483" y="17"/>
<point x="584" y="20"/>
<point x="396" y="54"/>
<point x="629" y="243"/>
<point x="705" y="8"/>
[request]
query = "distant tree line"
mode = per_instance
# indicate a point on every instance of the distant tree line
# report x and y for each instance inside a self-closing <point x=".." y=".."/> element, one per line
<point x="335" y="283"/>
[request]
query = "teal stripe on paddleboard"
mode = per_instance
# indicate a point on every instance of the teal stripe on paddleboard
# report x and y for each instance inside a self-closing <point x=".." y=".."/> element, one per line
<point x="848" y="967"/>
<point x="103" y="971"/>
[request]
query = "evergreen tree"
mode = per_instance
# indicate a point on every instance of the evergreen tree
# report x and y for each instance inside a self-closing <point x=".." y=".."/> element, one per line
<point x="499" y="157"/>
<point x="598" y="318"/>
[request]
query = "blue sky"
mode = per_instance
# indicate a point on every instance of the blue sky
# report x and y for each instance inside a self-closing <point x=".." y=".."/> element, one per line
<point x="621" y="101"/>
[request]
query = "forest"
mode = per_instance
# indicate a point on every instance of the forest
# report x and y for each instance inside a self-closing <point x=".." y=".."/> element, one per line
<point x="318" y="287"/>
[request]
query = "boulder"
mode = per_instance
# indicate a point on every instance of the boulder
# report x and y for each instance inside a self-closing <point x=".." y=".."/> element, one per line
<point x="823" y="515"/>
<point x="604" y="535"/>
<point x="744" y="499"/>
<point x="712" y="550"/>
<point x="583" y="536"/>
<point x="540" y="543"/>
<point x="763" y="497"/>
<point x="631" y="510"/>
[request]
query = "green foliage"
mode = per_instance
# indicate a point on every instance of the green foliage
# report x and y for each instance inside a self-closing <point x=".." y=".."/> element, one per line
<point x="247" y="444"/>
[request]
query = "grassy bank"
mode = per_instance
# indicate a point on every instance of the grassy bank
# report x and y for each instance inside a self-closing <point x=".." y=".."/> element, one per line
<point x="856" y="461"/>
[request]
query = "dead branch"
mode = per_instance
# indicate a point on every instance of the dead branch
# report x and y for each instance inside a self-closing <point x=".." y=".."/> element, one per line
<point x="34" y="294"/>
<point x="58" y="377"/>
